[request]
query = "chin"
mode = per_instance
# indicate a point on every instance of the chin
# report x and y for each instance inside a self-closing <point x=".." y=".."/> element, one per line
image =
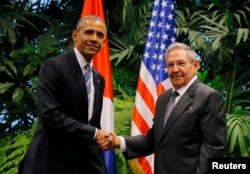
<point x="92" y="53"/>
<point x="177" y="86"/>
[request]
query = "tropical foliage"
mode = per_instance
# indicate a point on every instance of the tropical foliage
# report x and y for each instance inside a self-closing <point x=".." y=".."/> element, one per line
<point x="32" y="31"/>
<point x="13" y="149"/>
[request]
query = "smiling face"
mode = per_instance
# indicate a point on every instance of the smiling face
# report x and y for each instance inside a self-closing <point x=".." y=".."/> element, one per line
<point x="181" y="69"/>
<point x="89" y="37"/>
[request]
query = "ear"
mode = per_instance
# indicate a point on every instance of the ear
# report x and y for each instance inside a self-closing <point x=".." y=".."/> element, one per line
<point x="196" y="65"/>
<point x="74" y="35"/>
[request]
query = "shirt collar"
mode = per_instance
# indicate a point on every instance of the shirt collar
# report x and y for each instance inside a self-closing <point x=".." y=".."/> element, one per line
<point x="81" y="60"/>
<point x="182" y="90"/>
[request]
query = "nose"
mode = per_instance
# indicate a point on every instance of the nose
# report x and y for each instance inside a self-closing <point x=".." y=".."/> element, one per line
<point x="93" y="37"/>
<point x="175" y="67"/>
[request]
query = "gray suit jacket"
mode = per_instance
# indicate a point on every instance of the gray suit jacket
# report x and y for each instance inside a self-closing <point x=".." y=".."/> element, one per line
<point x="63" y="142"/>
<point x="194" y="132"/>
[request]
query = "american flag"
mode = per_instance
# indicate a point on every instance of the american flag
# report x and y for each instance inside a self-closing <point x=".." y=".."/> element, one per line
<point x="153" y="78"/>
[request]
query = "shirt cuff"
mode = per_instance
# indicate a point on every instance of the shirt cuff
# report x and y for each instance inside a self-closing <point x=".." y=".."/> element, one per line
<point x="95" y="133"/>
<point x="123" y="144"/>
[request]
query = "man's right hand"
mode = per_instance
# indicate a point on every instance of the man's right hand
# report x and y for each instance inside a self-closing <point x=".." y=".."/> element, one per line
<point x="107" y="140"/>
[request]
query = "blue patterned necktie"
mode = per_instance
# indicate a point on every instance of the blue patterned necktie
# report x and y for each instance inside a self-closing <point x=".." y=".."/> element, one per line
<point x="170" y="106"/>
<point x="87" y="76"/>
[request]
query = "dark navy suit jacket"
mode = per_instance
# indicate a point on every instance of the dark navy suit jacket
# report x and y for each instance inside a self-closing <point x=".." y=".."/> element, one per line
<point x="63" y="142"/>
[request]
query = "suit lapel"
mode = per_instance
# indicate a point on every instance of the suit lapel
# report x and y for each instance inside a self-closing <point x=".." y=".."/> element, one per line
<point x="162" y="110"/>
<point x="74" y="71"/>
<point x="77" y="74"/>
<point x="182" y="105"/>
<point x="97" y="84"/>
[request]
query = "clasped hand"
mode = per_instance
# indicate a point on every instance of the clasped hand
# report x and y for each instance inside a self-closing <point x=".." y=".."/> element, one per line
<point x="107" y="140"/>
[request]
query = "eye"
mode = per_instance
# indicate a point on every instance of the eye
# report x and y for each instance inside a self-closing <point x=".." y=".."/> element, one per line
<point x="88" y="32"/>
<point x="181" y="64"/>
<point x="100" y="35"/>
<point x="170" y="65"/>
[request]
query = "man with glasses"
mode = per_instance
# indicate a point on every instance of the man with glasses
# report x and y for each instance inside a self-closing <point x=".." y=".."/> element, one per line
<point x="194" y="130"/>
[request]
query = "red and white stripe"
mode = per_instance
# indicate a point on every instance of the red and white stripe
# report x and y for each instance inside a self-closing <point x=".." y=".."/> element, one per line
<point x="144" y="109"/>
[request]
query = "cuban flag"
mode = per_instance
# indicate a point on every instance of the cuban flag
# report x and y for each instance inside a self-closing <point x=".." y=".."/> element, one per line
<point x="102" y="63"/>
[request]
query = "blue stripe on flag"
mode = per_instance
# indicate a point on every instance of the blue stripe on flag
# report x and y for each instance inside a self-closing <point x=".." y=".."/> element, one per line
<point x="110" y="161"/>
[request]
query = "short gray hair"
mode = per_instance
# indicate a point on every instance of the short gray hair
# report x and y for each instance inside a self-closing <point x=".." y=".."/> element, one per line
<point x="82" y="20"/>
<point x="191" y="53"/>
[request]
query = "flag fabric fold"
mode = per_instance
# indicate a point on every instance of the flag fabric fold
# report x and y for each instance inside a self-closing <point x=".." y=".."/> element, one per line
<point x="102" y="63"/>
<point x="153" y="78"/>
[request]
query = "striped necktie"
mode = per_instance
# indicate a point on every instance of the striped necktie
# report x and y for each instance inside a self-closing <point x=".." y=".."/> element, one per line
<point x="87" y="76"/>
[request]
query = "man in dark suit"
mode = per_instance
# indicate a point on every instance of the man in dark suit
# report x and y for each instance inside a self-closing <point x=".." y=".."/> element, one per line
<point x="195" y="129"/>
<point x="66" y="139"/>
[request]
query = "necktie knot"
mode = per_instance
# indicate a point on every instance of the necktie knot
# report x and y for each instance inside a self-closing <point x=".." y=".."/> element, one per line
<point x="87" y="68"/>
<point x="175" y="94"/>
<point x="87" y="73"/>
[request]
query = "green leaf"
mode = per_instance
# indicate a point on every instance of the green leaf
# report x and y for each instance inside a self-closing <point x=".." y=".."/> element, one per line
<point x="29" y="69"/>
<point x="5" y="86"/>
<point x="216" y="44"/>
<point x="242" y="33"/>
<point x="10" y="65"/>
<point x="238" y="134"/>
<point x="15" y="53"/>
<point x="229" y="21"/>
<point x="4" y="69"/>
<point x="219" y="3"/>
<point x="17" y="95"/>
<point x="233" y="139"/>
<point x="202" y="75"/>
<point x="8" y="25"/>
<point x="242" y="144"/>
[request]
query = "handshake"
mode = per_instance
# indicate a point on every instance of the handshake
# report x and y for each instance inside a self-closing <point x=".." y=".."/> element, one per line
<point x="107" y="140"/>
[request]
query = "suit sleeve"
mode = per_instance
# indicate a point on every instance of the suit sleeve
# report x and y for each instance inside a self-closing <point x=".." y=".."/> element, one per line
<point x="213" y="128"/>
<point x="140" y="145"/>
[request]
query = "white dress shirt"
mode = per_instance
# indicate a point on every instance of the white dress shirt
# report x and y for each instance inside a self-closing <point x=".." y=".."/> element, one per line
<point x="82" y="62"/>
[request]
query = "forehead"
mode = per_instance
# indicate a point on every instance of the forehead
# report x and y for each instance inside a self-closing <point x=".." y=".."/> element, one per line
<point x="92" y="24"/>
<point x="177" y="54"/>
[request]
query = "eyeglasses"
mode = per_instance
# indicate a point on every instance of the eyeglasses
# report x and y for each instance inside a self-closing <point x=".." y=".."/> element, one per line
<point x="179" y="64"/>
